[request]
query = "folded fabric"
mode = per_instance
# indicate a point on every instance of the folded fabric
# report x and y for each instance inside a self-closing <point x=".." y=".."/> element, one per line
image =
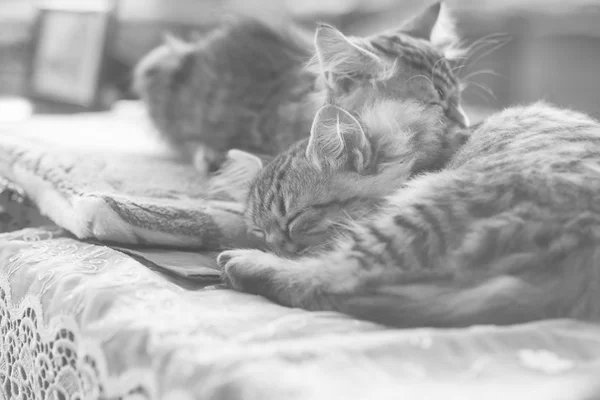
<point x="121" y="195"/>
<point x="16" y="212"/>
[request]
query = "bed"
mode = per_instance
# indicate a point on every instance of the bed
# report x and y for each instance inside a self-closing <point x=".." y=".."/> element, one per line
<point x="109" y="290"/>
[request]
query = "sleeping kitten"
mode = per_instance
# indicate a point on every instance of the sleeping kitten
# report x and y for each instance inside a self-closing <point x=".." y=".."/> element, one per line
<point x="246" y="86"/>
<point x="508" y="232"/>
<point x="304" y="197"/>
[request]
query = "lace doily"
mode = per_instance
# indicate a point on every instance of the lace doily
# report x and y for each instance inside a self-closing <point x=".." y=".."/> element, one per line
<point x="54" y="361"/>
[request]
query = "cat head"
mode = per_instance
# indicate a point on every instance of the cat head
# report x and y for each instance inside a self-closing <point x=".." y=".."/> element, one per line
<point x="156" y="69"/>
<point x="342" y="173"/>
<point x="158" y="77"/>
<point x="415" y="61"/>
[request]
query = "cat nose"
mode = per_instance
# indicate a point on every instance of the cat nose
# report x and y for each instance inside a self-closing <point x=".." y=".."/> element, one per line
<point x="284" y="245"/>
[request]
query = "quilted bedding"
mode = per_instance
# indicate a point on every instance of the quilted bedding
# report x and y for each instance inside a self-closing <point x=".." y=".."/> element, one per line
<point x="82" y="320"/>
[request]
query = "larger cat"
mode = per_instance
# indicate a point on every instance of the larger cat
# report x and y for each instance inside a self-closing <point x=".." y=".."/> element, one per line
<point x="245" y="86"/>
<point x="508" y="232"/>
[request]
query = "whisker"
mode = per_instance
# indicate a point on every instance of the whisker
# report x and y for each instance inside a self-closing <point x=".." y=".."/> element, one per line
<point x="484" y="72"/>
<point x="489" y="51"/>
<point x="484" y="88"/>
<point x="461" y="66"/>
<point x="485" y="40"/>
<point x="434" y="65"/>
<point x="482" y="97"/>
<point x="420" y="76"/>
<point x="484" y="48"/>
<point x="486" y="37"/>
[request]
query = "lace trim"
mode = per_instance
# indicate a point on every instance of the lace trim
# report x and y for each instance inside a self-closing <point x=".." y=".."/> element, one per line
<point x="55" y="361"/>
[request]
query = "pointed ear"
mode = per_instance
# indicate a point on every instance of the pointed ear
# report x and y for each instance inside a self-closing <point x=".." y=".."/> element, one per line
<point x="434" y="24"/>
<point x="337" y="141"/>
<point x="251" y="163"/>
<point x="338" y="55"/>
<point x="421" y="25"/>
<point x="174" y="43"/>
<point x="235" y="175"/>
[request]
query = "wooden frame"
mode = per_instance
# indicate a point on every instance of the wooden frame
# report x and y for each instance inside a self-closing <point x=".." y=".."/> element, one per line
<point x="68" y="58"/>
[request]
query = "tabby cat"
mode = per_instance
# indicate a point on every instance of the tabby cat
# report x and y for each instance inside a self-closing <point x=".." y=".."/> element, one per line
<point x="508" y="232"/>
<point x="246" y="86"/>
<point x="303" y="198"/>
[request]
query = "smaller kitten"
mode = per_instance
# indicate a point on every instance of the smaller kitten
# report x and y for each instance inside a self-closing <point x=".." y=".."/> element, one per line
<point x="341" y="173"/>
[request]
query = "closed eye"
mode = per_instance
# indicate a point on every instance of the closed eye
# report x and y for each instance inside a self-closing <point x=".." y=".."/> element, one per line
<point x="308" y="219"/>
<point x="435" y="103"/>
<point x="441" y="93"/>
<point x="292" y="219"/>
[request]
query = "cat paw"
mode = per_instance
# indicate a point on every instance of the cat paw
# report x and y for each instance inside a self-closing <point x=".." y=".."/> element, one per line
<point x="224" y="257"/>
<point x="248" y="270"/>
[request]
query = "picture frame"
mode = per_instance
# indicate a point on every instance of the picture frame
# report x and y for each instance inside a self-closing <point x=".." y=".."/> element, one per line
<point x="68" y="59"/>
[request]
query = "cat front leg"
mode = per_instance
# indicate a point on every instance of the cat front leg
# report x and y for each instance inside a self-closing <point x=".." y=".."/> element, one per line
<point x="309" y="283"/>
<point x="249" y="270"/>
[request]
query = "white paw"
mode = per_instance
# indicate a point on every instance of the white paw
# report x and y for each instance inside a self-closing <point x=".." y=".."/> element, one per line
<point x="247" y="270"/>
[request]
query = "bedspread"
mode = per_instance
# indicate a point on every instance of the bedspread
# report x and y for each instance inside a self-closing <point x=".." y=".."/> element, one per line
<point x="109" y="177"/>
<point x="84" y="321"/>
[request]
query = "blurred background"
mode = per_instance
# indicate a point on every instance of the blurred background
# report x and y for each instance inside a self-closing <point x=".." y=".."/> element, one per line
<point x="553" y="52"/>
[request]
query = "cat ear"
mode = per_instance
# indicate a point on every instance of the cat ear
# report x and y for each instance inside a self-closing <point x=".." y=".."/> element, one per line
<point x="249" y="162"/>
<point x="421" y="25"/>
<point x="339" y="56"/>
<point x="434" y="24"/>
<point x="338" y="141"/>
<point x="235" y="175"/>
<point x="174" y="43"/>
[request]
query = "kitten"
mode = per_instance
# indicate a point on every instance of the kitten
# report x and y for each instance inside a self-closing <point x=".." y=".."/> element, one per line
<point x="389" y="68"/>
<point x="508" y="232"/>
<point x="317" y="188"/>
<point x="246" y="86"/>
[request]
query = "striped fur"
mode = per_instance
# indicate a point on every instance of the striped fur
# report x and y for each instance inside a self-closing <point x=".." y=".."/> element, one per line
<point x="298" y="204"/>
<point x="508" y="232"/>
